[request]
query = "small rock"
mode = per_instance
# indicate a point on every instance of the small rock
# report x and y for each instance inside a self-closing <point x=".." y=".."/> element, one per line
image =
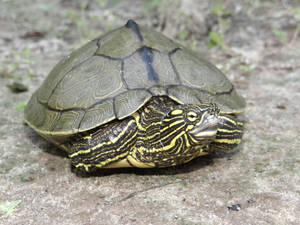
<point x="17" y="87"/>
<point x="280" y="106"/>
<point x="35" y="35"/>
<point x="236" y="207"/>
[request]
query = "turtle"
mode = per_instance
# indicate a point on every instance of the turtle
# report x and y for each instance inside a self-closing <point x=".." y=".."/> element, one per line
<point x="135" y="98"/>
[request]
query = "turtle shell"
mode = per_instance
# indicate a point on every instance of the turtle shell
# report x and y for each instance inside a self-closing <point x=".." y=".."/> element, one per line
<point x="112" y="76"/>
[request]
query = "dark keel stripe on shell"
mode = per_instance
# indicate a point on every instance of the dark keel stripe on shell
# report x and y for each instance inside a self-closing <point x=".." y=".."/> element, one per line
<point x="147" y="56"/>
<point x="135" y="28"/>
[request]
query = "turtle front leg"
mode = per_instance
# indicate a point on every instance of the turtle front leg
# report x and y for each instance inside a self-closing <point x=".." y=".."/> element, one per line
<point x="102" y="147"/>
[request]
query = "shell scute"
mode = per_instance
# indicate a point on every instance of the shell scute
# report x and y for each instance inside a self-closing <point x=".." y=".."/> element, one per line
<point x="114" y="75"/>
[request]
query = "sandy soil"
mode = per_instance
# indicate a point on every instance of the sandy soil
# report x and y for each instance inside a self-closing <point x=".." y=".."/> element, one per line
<point x="260" y="54"/>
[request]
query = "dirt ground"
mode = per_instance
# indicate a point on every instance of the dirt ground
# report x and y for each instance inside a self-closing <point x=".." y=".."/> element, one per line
<point x="256" y="43"/>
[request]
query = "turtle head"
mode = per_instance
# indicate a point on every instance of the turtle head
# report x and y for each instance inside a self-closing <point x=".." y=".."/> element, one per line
<point x="197" y="124"/>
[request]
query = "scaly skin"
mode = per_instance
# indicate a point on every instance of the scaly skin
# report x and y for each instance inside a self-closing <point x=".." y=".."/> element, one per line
<point x="160" y="134"/>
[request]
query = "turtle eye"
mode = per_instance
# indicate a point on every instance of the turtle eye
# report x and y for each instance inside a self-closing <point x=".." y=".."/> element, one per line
<point x="191" y="116"/>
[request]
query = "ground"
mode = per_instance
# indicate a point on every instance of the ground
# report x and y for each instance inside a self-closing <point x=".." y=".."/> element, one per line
<point x="255" y="43"/>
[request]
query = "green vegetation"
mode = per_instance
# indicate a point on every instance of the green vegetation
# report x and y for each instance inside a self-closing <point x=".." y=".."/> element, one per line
<point x="9" y="207"/>
<point x="19" y="61"/>
<point x="108" y="3"/>
<point x="280" y="34"/>
<point x="20" y="106"/>
<point x="296" y="15"/>
<point x="82" y="20"/>
<point x="80" y="23"/>
<point x="217" y="37"/>
<point x="183" y="35"/>
<point x="152" y="5"/>
<point x="46" y="7"/>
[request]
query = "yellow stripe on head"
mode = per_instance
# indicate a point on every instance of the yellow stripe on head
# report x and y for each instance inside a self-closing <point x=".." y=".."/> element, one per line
<point x="177" y="112"/>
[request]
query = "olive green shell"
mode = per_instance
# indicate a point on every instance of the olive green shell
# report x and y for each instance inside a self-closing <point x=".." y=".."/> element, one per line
<point x="114" y="75"/>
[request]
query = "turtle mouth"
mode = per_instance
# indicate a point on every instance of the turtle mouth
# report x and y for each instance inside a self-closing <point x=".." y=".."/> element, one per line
<point x="206" y="129"/>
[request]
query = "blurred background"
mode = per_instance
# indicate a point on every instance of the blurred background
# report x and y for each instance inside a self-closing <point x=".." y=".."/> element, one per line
<point x="256" y="43"/>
